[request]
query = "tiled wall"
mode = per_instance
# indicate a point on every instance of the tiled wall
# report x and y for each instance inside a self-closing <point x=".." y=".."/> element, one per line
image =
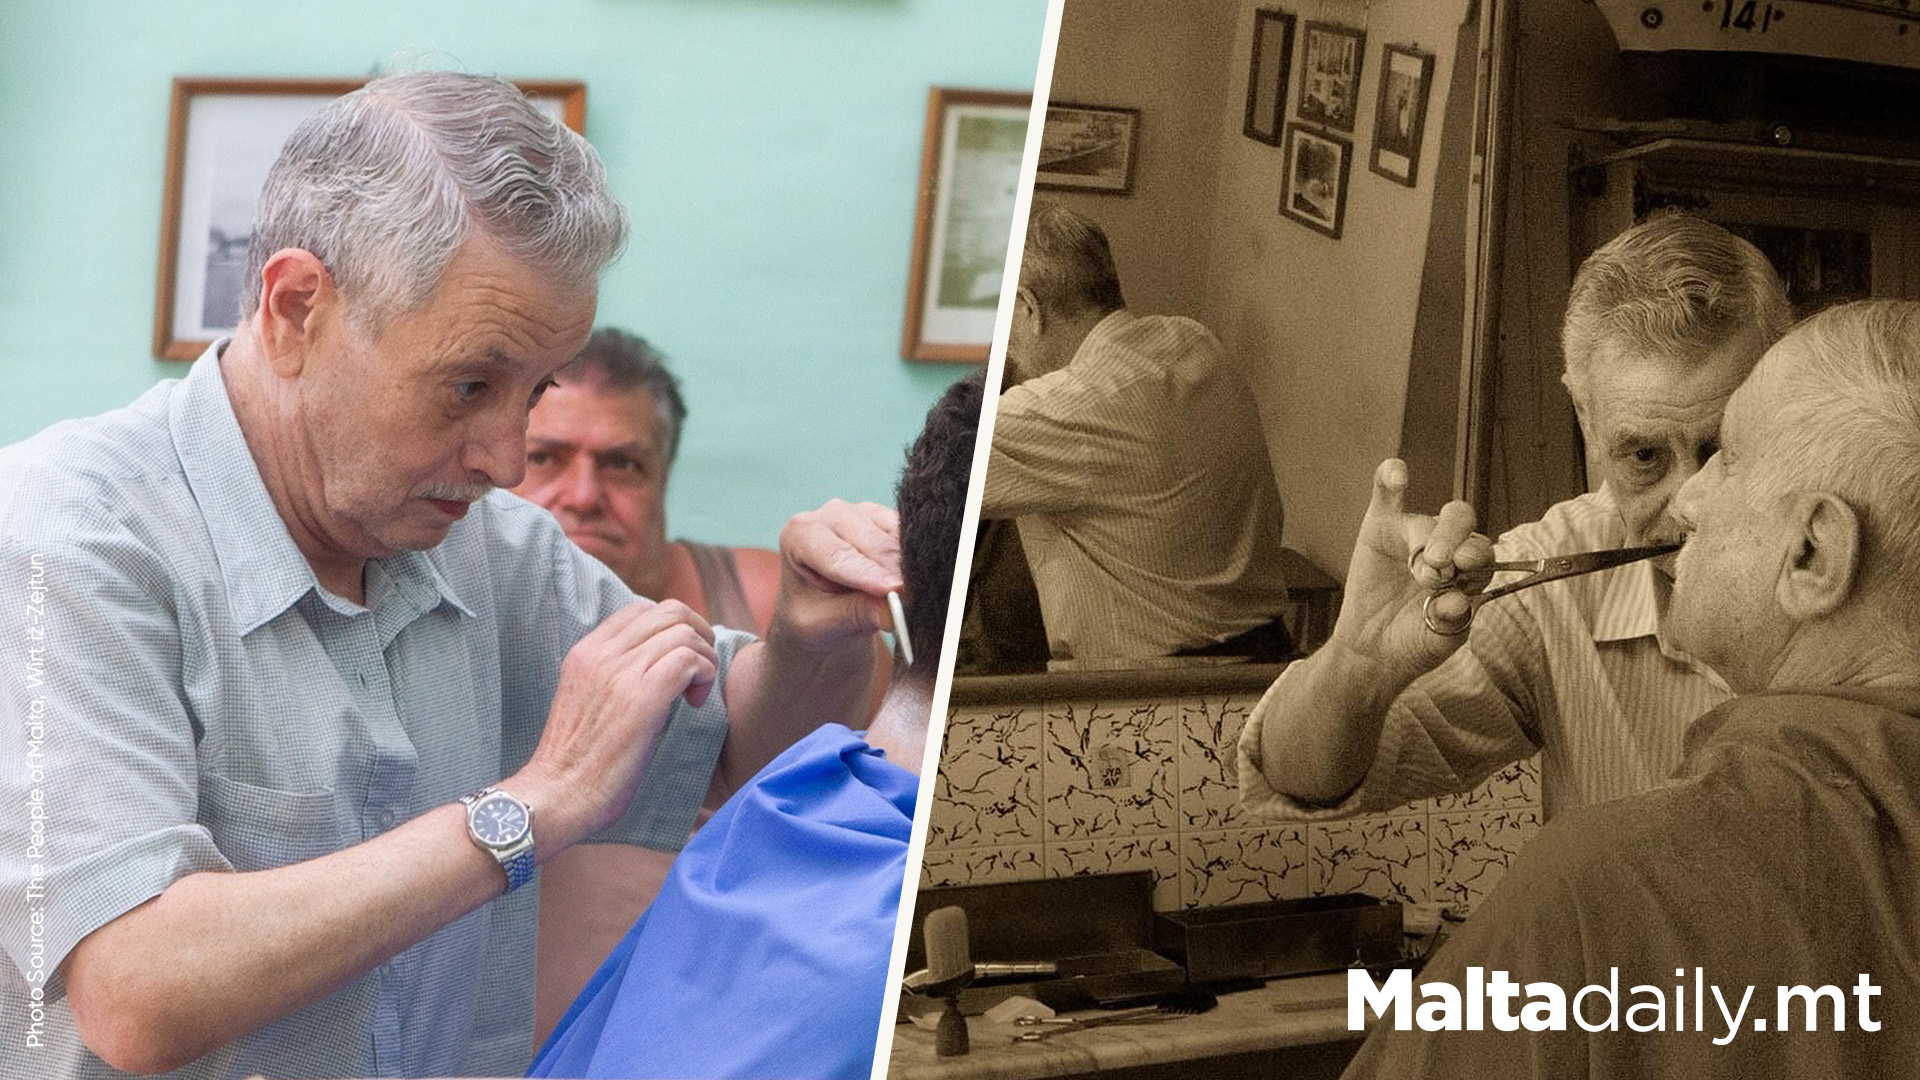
<point x="1048" y="790"/>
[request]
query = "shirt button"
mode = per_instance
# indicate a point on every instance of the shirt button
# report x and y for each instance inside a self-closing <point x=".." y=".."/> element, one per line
<point x="389" y="817"/>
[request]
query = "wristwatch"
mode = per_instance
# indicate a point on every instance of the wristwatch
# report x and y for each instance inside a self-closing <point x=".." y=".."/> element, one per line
<point x="503" y="827"/>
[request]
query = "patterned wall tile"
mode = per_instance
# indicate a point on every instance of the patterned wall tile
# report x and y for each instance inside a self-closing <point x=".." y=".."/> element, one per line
<point x="988" y="790"/>
<point x="1517" y="784"/>
<point x="1209" y="765"/>
<point x="1243" y="866"/>
<point x="981" y="866"/>
<point x="1156" y="853"/>
<point x="1379" y="856"/>
<point x="1109" y="769"/>
<point x="1471" y="850"/>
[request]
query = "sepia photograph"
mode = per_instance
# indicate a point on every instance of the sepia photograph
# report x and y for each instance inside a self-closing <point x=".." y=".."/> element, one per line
<point x="1314" y="189"/>
<point x="1330" y="74"/>
<point x="1088" y="148"/>
<point x="1400" y="117"/>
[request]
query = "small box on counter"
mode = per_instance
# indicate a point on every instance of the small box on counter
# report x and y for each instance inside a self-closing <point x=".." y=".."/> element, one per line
<point x="1279" y="937"/>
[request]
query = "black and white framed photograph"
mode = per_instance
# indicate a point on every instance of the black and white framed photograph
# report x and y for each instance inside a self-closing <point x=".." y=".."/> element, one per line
<point x="1313" y="189"/>
<point x="969" y="181"/>
<point x="1267" y="75"/>
<point x="1401" y="113"/>
<point x="222" y="136"/>
<point x="1088" y="148"/>
<point x="1330" y="74"/>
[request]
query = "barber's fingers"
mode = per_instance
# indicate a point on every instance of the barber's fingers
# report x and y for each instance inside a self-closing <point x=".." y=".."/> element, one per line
<point x="1449" y="612"/>
<point x="639" y="635"/>
<point x="1445" y="548"/>
<point x="845" y="546"/>
<point x="1389" y="489"/>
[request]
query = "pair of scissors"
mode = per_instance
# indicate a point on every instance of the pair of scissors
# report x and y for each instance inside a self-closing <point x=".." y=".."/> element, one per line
<point x="1539" y="572"/>
<point x="1060" y="1025"/>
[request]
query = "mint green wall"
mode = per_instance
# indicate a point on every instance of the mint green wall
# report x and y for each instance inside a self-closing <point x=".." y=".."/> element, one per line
<point x="768" y="149"/>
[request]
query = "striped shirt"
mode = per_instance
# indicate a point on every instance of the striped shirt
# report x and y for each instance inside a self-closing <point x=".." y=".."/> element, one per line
<point x="1577" y="670"/>
<point x="1145" y="498"/>
<point x="196" y="702"/>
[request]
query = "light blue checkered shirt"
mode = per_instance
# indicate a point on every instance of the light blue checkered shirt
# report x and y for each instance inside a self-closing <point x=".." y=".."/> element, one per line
<point x="181" y="696"/>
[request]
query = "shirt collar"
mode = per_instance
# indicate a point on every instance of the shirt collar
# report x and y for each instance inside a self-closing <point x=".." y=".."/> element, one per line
<point x="1115" y="321"/>
<point x="264" y="571"/>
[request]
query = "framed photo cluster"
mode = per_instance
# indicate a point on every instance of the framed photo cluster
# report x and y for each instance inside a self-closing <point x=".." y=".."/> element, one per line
<point x="222" y="137"/>
<point x="1318" y="161"/>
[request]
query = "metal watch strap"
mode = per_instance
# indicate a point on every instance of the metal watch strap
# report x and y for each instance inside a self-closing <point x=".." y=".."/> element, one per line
<point x="519" y="864"/>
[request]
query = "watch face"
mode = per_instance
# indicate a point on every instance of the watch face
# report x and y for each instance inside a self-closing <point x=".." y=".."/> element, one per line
<point x="499" y="820"/>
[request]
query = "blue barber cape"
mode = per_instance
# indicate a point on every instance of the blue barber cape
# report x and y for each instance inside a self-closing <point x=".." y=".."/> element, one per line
<point x="765" y="956"/>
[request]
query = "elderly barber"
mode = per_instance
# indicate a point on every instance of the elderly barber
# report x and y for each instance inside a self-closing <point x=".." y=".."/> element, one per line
<point x="1663" y="322"/>
<point x="1786" y="854"/>
<point x="313" y="698"/>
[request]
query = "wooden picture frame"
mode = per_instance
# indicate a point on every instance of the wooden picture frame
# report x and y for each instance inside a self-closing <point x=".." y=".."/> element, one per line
<point x="1269" y="71"/>
<point x="963" y="228"/>
<point x="1088" y="148"/>
<point x="1313" y="187"/>
<point x="1400" y="114"/>
<point x="222" y="136"/>
<point x="1330" y="63"/>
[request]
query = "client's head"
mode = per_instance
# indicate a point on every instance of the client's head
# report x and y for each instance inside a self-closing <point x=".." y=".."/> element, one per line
<point x="932" y="501"/>
<point x="1803" y="563"/>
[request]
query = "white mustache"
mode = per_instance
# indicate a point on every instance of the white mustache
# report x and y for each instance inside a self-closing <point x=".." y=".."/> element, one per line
<point x="465" y="493"/>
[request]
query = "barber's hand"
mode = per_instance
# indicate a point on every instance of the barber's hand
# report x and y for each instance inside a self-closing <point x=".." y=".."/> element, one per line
<point x="838" y="564"/>
<point x="1380" y="614"/>
<point x="616" y="687"/>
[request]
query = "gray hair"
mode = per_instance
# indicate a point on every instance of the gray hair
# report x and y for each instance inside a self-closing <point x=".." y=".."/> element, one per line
<point x="1674" y="286"/>
<point x="385" y="184"/>
<point x="1068" y="263"/>
<point x="1849" y="423"/>
<point x="616" y="362"/>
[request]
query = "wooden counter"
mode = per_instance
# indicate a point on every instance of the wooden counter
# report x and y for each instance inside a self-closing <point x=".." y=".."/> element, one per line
<point x="1176" y="677"/>
<point x="1290" y="1028"/>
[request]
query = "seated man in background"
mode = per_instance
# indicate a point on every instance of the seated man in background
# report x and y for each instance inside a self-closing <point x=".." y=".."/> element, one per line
<point x="1787" y="852"/>
<point x="1133" y="458"/>
<point x="600" y="446"/>
<point x="1662" y="323"/>
<point x="767" y="953"/>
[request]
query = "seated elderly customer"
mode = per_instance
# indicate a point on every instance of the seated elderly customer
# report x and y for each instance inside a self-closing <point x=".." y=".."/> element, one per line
<point x="766" y="955"/>
<point x="600" y="446"/>
<point x="1786" y="853"/>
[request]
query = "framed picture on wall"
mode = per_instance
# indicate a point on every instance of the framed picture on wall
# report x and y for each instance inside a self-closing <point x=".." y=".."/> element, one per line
<point x="1330" y="74"/>
<point x="1267" y="75"/>
<point x="969" y="179"/>
<point x="1088" y="148"/>
<point x="1401" y="113"/>
<point x="1313" y="187"/>
<point x="222" y="136"/>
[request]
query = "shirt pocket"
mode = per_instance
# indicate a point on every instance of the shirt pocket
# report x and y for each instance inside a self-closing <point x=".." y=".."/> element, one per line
<point x="259" y="828"/>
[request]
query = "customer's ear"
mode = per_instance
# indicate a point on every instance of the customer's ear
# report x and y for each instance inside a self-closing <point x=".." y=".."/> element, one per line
<point x="1823" y="568"/>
